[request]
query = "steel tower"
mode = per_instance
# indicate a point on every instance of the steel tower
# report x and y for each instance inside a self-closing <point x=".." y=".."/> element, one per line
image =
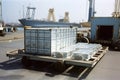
<point x="91" y="9"/>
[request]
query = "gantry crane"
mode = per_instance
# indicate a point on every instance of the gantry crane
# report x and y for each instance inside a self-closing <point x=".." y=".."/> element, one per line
<point x="66" y="17"/>
<point x="91" y="9"/>
<point x="51" y="16"/>
<point x="116" y="12"/>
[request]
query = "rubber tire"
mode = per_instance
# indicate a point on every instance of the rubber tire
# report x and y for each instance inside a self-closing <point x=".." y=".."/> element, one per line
<point x="26" y="62"/>
<point x="59" y="66"/>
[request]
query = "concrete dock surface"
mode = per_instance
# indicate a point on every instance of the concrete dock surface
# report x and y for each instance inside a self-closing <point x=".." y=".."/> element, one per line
<point x="12" y="35"/>
<point x="108" y="67"/>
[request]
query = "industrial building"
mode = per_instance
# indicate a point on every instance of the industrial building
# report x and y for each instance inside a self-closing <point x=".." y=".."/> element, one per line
<point x="105" y="29"/>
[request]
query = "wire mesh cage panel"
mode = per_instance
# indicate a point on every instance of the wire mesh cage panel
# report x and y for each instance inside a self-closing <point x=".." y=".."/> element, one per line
<point x="43" y="41"/>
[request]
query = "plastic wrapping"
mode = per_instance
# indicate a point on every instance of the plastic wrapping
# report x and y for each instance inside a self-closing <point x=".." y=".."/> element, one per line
<point x="83" y="54"/>
<point x="79" y="51"/>
<point x="64" y="53"/>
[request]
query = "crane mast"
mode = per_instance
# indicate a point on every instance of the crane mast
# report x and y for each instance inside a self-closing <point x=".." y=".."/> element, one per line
<point x="66" y="18"/>
<point x="51" y="16"/>
<point x="91" y="9"/>
<point x="116" y="12"/>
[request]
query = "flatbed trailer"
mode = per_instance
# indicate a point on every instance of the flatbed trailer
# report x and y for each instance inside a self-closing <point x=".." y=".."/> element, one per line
<point x="59" y="63"/>
<point x="90" y="63"/>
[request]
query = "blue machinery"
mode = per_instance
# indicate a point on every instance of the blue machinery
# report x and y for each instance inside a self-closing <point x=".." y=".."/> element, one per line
<point x="91" y="9"/>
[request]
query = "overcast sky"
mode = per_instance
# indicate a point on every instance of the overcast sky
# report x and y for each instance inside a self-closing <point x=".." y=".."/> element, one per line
<point x="78" y="9"/>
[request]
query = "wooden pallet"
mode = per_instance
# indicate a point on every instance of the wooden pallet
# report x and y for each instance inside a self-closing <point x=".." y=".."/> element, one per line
<point x="84" y="67"/>
<point x="90" y="63"/>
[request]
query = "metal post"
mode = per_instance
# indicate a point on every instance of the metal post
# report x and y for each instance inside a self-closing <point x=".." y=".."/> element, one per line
<point x="116" y="12"/>
<point x="118" y="8"/>
<point x="91" y="9"/>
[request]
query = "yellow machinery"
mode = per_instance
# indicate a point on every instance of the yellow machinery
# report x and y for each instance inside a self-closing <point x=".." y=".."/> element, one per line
<point x="66" y="18"/>
<point x="116" y="12"/>
<point x="51" y="16"/>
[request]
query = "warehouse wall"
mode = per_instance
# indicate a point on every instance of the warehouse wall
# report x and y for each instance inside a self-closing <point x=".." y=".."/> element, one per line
<point x="105" y="21"/>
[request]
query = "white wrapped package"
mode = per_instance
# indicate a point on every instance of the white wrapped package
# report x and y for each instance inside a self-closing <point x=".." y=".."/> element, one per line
<point x="83" y="54"/>
<point x="79" y="51"/>
<point x="90" y="46"/>
<point x="94" y="47"/>
<point x="85" y="51"/>
<point x="63" y="53"/>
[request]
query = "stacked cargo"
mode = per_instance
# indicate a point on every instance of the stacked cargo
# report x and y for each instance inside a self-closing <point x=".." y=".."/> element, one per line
<point x="44" y="41"/>
<point x="58" y="43"/>
<point x="79" y="51"/>
<point x="85" y="51"/>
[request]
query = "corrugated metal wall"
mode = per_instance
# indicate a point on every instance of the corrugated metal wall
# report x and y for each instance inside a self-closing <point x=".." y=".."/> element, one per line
<point x="115" y="22"/>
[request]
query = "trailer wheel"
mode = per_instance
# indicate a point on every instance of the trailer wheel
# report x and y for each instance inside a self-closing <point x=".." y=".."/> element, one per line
<point x="26" y="62"/>
<point x="117" y="45"/>
<point x="59" y="66"/>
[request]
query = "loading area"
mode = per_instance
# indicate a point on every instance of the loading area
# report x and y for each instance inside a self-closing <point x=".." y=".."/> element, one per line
<point x="105" y="30"/>
<point x="64" y="66"/>
<point x="44" y="45"/>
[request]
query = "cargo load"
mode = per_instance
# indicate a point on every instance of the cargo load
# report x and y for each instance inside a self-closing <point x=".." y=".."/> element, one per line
<point x="45" y="41"/>
<point x="79" y="51"/>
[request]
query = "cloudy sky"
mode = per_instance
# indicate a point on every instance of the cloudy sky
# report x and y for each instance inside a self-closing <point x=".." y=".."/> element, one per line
<point x="78" y="9"/>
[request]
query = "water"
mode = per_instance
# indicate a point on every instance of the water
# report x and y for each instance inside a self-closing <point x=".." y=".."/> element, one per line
<point x="20" y="28"/>
<point x="9" y="29"/>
